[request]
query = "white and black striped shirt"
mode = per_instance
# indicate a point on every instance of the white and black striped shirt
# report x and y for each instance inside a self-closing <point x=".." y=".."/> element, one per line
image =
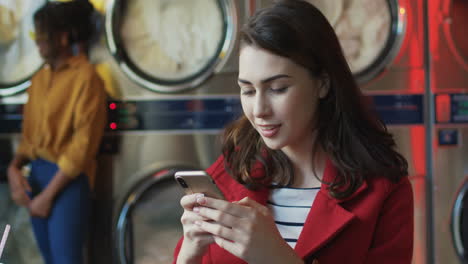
<point x="290" y="207"/>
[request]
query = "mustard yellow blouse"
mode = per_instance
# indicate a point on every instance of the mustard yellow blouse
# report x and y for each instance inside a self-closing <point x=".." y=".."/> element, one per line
<point x="65" y="116"/>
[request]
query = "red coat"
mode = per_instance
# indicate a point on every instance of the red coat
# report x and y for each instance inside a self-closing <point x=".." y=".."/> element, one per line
<point x="373" y="225"/>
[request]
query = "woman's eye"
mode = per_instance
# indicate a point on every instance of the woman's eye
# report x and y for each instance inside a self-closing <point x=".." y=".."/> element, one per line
<point x="279" y="90"/>
<point x="247" y="92"/>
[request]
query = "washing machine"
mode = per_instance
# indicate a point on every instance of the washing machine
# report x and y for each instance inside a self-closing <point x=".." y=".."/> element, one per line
<point x="382" y="40"/>
<point x="161" y="48"/>
<point x="18" y="54"/>
<point x="19" y="60"/>
<point x="171" y="70"/>
<point x="449" y="85"/>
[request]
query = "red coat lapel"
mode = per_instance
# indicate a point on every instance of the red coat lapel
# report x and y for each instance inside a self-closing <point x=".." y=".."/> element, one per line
<point x="326" y="218"/>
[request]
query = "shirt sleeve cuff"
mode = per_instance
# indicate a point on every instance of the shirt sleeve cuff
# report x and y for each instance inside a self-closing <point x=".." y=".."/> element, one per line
<point x="24" y="150"/>
<point x="68" y="167"/>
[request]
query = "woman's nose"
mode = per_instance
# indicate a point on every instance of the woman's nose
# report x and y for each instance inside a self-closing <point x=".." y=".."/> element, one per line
<point x="261" y="106"/>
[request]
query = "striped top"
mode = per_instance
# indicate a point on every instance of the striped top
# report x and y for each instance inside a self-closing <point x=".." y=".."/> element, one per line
<point x="290" y="207"/>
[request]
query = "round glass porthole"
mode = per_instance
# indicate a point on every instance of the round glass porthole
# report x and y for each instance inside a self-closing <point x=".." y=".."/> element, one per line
<point x="370" y="32"/>
<point x="460" y="223"/>
<point x="455" y="31"/>
<point x="148" y="223"/>
<point x="19" y="57"/>
<point x="171" y="45"/>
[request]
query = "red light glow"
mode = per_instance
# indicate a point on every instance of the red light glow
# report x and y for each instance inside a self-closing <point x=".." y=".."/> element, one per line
<point x="113" y="126"/>
<point x="113" y="106"/>
<point x="160" y="173"/>
<point x="443" y="108"/>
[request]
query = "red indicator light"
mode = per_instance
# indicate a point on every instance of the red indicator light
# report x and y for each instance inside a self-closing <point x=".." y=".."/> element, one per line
<point x="113" y="106"/>
<point x="443" y="108"/>
<point x="113" y="126"/>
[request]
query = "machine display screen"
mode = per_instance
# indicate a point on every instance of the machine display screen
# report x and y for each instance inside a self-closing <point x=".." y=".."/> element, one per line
<point x="451" y="108"/>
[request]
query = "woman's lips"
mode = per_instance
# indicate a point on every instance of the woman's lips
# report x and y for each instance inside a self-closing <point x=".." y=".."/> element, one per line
<point x="268" y="131"/>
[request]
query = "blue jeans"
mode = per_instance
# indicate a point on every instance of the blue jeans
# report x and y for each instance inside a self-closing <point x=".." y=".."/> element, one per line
<point x="62" y="235"/>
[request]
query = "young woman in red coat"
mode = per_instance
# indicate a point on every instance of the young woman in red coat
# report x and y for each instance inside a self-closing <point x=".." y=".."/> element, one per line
<point x="309" y="171"/>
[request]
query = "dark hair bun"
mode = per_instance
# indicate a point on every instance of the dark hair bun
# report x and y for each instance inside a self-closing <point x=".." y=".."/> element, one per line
<point x="81" y="13"/>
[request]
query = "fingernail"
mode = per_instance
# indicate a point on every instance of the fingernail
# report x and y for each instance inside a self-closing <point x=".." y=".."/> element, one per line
<point x="198" y="223"/>
<point x="201" y="200"/>
<point x="196" y="209"/>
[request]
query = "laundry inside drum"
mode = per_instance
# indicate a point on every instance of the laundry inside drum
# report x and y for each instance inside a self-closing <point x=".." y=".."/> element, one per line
<point x="156" y="226"/>
<point x="19" y="57"/>
<point x="363" y="28"/>
<point x="172" y="39"/>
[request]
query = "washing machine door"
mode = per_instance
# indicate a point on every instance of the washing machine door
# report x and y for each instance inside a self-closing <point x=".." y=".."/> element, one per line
<point x="170" y="46"/>
<point x="148" y="224"/>
<point x="370" y="32"/>
<point x="460" y="223"/>
<point x="19" y="57"/>
<point x="455" y="12"/>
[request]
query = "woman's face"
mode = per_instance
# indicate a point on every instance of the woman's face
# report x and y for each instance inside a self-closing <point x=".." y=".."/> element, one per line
<point x="43" y="43"/>
<point x="279" y="97"/>
<point x="49" y="46"/>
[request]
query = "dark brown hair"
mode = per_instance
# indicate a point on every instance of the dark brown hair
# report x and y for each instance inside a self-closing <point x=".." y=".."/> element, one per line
<point x="74" y="17"/>
<point x="348" y="130"/>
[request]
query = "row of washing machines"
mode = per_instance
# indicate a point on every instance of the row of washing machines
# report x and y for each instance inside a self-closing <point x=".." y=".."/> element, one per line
<point x="170" y="68"/>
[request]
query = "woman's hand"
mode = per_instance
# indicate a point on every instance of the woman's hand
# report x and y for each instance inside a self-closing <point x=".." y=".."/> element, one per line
<point x="246" y="229"/>
<point x="196" y="240"/>
<point x="40" y="206"/>
<point x="18" y="186"/>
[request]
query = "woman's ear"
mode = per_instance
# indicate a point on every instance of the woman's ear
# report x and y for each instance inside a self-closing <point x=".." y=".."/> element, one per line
<point x="64" y="40"/>
<point x="324" y="86"/>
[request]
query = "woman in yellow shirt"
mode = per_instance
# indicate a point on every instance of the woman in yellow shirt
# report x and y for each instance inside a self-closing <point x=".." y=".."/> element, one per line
<point x="64" y="121"/>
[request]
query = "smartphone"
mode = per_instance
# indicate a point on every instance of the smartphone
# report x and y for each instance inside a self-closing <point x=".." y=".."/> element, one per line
<point x="198" y="182"/>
